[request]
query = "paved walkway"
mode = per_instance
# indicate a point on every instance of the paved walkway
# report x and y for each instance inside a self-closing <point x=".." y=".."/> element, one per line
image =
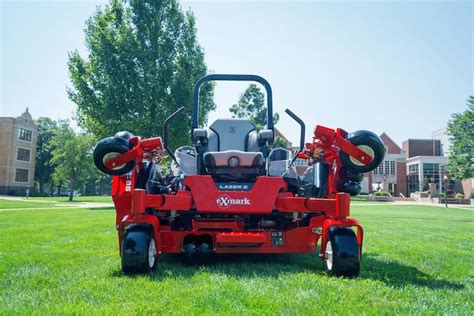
<point x="55" y="204"/>
<point x="23" y="199"/>
<point x="457" y="206"/>
<point x="61" y="206"/>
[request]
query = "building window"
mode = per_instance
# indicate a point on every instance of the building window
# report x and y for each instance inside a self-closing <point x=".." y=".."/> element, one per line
<point x="430" y="174"/>
<point x="380" y="169"/>
<point x="24" y="134"/>
<point x="413" y="178"/>
<point x="387" y="166"/>
<point x="21" y="175"/>
<point x="392" y="167"/>
<point x="301" y="162"/>
<point x="23" y="154"/>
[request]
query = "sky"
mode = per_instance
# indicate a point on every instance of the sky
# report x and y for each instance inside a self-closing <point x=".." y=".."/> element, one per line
<point x="397" y="67"/>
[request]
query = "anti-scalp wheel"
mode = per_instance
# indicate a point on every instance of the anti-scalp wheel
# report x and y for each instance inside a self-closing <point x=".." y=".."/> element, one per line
<point x="368" y="142"/>
<point x="109" y="148"/>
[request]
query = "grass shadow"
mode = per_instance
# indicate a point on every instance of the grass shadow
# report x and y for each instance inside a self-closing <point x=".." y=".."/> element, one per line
<point x="109" y="208"/>
<point x="399" y="275"/>
<point x="241" y="266"/>
<point x="249" y="266"/>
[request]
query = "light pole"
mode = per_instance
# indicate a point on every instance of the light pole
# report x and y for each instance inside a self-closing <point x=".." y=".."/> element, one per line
<point x="445" y="178"/>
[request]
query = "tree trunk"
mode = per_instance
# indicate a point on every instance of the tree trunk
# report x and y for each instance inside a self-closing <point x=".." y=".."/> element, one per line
<point x="41" y="187"/>
<point x="101" y="188"/>
<point x="59" y="190"/>
<point x="71" y="189"/>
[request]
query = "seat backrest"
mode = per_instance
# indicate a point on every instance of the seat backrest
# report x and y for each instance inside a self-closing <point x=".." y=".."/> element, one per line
<point x="229" y="134"/>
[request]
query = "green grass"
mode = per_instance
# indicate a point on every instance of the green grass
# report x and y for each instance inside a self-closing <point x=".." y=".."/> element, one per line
<point x="417" y="260"/>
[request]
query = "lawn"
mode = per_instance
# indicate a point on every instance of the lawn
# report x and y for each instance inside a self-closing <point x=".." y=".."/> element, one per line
<point x="417" y="259"/>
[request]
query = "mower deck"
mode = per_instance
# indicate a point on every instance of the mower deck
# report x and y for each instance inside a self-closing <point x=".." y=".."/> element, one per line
<point x="229" y="235"/>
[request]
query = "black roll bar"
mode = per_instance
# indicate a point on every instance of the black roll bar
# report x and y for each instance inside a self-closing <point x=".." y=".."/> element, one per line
<point x="231" y="77"/>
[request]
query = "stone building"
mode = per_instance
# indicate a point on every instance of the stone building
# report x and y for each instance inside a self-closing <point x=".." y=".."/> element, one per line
<point x="17" y="153"/>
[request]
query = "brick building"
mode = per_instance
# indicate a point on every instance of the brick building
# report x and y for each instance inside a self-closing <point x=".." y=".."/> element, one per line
<point x="391" y="174"/>
<point x="17" y="153"/>
<point x="410" y="168"/>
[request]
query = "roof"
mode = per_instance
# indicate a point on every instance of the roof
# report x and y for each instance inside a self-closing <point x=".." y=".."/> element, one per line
<point x="392" y="147"/>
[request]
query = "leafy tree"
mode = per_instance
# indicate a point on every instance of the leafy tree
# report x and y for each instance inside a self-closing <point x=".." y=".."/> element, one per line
<point x="143" y="61"/>
<point x="72" y="157"/>
<point x="461" y="130"/>
<point x="44" y="146"/>
<point x="98" y="183"/>
<point x="251" y="105"/>
<point x="281" y="142"/>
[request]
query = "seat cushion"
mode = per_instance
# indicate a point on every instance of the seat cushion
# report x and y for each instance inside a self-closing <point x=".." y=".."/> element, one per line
<point x="217" y="159"/>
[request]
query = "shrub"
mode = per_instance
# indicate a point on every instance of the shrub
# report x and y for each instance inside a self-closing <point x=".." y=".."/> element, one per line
<point x="38" y="194"/>
<point x="459" y="196"/>
<point x="382" y="193"/>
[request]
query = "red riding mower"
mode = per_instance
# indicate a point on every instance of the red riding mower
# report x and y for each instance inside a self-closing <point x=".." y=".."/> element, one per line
<point x="232" y="192"/>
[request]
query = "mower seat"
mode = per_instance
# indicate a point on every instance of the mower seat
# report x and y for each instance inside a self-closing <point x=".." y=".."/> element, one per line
<point x="234" y="149"/>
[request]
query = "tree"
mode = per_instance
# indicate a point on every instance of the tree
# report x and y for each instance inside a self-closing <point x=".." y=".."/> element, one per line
<point x="72" y="157"/>
<point x="251" y="105"/>
<point x="461" y="132"/>
<point x="281" y="142"/>
<point x="44" y="146"/>
<point x="143" y="61"/>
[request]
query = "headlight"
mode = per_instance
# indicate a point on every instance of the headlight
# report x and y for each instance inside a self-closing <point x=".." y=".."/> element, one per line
<point x="233" y="162"/>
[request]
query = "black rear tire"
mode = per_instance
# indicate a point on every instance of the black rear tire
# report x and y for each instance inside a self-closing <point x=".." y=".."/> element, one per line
<point x="109" y="148"/>
<point x="353" y="176"/>
<point x="368" y="142"/>
<point x="348" y="186"/>
<point x="139" y="250"/>
<point x="190" y="252"/>
<point x="342" y="256"/>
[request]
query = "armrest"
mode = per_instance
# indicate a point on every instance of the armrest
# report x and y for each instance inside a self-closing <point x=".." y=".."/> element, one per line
<point x="264" y="135"/>
<point x="200" y="133"/>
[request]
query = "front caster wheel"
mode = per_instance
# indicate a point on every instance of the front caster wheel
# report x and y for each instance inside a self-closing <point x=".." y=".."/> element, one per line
<point x="342" y="256"/>
<point x="139" y="254"/>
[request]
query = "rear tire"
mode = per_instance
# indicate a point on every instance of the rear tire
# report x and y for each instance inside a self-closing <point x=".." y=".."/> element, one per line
<point x="353" y="176"/>
<point x="139" y="254"/>
<point x="342" y="256"/>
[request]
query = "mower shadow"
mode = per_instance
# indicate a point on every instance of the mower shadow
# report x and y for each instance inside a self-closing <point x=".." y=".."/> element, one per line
<point x="273" y="266"/>
<point x="241" y="266"/>
<point x="399" y="275"/>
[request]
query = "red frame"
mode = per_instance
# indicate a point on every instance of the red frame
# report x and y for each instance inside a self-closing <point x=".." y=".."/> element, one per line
<point x="267" y="195"/>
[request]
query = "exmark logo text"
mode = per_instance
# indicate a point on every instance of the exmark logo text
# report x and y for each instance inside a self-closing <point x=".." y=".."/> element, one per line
<point x="225" y="201"/>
